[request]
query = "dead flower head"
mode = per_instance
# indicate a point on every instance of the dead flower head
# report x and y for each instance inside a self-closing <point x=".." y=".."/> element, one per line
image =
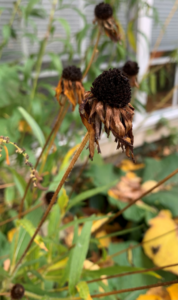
<point x="108" y="103"/>
<point x="17" y="291"/>
<point x="70" y="86"/>
<point x="104" y="18"/>
<point x="130" y="70"/>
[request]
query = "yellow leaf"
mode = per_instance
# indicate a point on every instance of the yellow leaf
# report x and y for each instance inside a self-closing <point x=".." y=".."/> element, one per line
<point x="59" y="265"/>
<point x="149" y="297"/>
<point x="164" y="249"/>
<point x="131" y="35"/>
<point x="28" y="226"/>
<point x="128" y="165"/>
<point x="68" y="156"/>
<point x="173" y="291"/>
<point x="157" y="293"/>
<point x="24" y="126"/>
<point x="11" y="233"/>
<point x="113" y="195"/>
<point x="63" y="201"/>
<point x="99" y="223"/>
<point x="149" y="184"/>
<point x="103" y="242"/>
<point x="7" y="155"/>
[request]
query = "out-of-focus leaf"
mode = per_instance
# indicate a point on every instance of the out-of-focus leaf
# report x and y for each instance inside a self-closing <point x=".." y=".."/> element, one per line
<point x="159" y="248"/>
<point x="19" y="182"/>
<point x="83" y="290"/>
<point x="78" y="256"/>
<point x="79" y="198"/>
<point x="56" y="61"/>
<point x="65" y="25"/>
<point x="63" y="201"/>
<point x="153" y="83"/>
<point x="28" y="226"/>
<point x="6" y="31"/>
<point x="54" y="219"/>
<point x="131" y="35"/>
<point x="35" y="127"/>
<point x="114" y="270"/>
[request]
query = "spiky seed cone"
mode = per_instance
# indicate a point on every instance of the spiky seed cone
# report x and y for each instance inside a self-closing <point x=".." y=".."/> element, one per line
<point x="131" y="68"/>
<point x="103" y="11"/>
<point x="17" y="291"/>
<point x="112" y="88"/>
<point x="48" y="196"/>
<point x="72" y="73"/>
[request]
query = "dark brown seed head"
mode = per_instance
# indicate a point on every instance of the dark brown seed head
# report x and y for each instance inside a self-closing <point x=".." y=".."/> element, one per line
<point x="17" y="291"/>
<point x="103" y="11"/>
<point x="112" y="88"/>
<point x="48" y="196"/>
<point x="72" y="73"/>
<point x="131" y="68"/>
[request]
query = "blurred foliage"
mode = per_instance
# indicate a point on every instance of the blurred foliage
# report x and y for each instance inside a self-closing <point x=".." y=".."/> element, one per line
<point x="66" y="253"/>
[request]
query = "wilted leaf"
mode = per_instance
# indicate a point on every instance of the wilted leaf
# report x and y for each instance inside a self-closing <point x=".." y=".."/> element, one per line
<point x="162" y="250"/>
<point x="128" y="165"/>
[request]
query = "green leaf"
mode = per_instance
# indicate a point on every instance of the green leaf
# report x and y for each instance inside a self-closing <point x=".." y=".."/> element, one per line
<point x="20" y="183"/>
<point x="114" y="270"/>
<point x="34" y="126"/>
<point x="6" y="31"/>
<point x="153" y="83"/>
<point x="56" y="61"/>
<point x="78" y="256"/>
<point x="131" y="35"/>
<point x="79" y="198"/>
<point x="54" y="219"/>
<point x="65" y="25"/>
<point x="63" y="201"/>
<point x="83" y="290"/>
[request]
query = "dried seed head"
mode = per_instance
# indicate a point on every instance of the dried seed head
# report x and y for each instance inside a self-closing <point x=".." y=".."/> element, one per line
<point x="17" y="291"/>
<point x="48" y="196"/>
<point x="131" y="68"/>
<point x="112" y="88"/>
<point x="103" y="11"/>
<point x="72" y="73"/>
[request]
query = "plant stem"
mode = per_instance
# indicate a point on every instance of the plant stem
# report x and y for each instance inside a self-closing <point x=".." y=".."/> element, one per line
<point x="69" y="169"/>
<point x="93" y="54"/>
<point x="41" y="52"/>
<point x="79" y="175"/>
<point x="63" y="111"/>
<point x="131" y="273"/>
<point x="134" y="201"/>
<point x="38" y="159"/>
<point x="22" y="214"/>
<point x="145" y="287"/>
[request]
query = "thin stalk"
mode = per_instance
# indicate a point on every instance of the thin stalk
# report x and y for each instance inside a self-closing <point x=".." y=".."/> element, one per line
<point x="63" y="112"/>
<point x="3" y="186"/>
<point x="38" y="159"/>
<point x="138" y="198"/>
<point x="79" y="175"/>
<point x="145" y="287"/>
<point x="69" y="169"/>
<point x="131" y="273"/>
<point x="93" y="54"/>
<point x="22" y="214"/>
<point x="42" y="50"/>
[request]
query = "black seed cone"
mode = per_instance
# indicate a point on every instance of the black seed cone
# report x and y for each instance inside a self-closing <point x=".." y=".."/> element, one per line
<point x="72" y="73"/>
<point x="17" y="291"/>
<point x="131" y="68"/>
<point x="103" y="11"/>
<point x="112" y="88"/>
<point x="48" y="196"/>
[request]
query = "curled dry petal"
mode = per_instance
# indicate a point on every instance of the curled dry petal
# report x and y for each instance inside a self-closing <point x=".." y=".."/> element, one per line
<point x="100" y="111"/>
<point x="108" y="115"/>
